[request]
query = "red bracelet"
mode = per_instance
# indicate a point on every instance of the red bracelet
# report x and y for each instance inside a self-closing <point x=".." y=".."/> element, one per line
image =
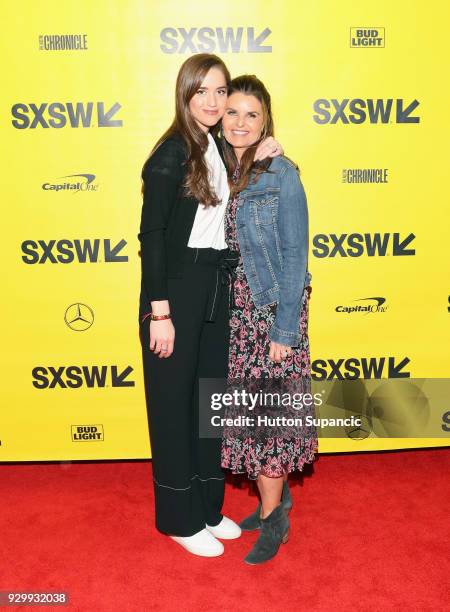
<point x="159" y="317"/>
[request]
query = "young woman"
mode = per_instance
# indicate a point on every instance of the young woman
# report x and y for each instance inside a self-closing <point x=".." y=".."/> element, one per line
<point x="267" y="222"/>
<point x="183" y="313"/>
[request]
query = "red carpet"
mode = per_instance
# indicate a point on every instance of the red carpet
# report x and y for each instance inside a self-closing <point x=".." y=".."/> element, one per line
<point x="369" y="532"/>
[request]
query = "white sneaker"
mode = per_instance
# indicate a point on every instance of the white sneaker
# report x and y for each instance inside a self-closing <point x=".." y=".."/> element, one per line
<point x="202" y="543"/>
<point x="225" y="530"/>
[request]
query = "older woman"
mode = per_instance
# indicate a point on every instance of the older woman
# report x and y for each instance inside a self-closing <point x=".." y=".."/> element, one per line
<point x="267" y="222"/>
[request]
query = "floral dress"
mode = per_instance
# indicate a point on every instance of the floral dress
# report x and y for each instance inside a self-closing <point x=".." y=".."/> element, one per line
<point x="244" y="450"/>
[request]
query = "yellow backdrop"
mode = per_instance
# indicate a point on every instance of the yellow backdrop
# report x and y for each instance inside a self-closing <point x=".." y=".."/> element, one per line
<point x="360" y="103"/>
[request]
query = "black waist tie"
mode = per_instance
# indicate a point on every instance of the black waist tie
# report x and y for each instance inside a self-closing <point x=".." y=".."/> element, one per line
<point x="225" y="263"/>
<point x="225" y="276"/>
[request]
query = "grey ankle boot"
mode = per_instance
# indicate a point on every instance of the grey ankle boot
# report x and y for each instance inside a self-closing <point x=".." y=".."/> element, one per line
<point x="253" y="522"/>
<point x="274" y="532"/>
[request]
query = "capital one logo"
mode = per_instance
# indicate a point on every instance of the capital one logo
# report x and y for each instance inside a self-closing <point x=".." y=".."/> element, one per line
<point x="358" y="111"/>
<point x="356" y="245"/>
<point x="76" y="186"/>
<point x="212" y="40"/>
<point x="64" y="114"/>
<point x="370" y="305"/>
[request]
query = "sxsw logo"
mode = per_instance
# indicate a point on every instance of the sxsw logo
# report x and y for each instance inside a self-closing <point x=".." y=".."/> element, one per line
<point x="370" y="110"/>
<point x="359" y="367"/>
<point x="446" y="421"/>
<point x="61" y="114"/>
<point x="214" y="40"/>
<point x="74" y="377"/>
<point x="67" y="251"/>
<point x="76" y="186"/>
<point x="87" y="433"/>
<point x="356" y="245"/>
<point x="367" y="37"/>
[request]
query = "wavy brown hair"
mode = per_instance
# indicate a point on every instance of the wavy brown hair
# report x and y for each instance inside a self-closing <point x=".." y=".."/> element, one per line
<point x="189" y="80"/>
<point x="249" y="85"/>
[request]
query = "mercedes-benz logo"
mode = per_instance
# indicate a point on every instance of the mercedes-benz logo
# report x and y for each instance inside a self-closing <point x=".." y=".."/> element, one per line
<point x="79" y="317"/>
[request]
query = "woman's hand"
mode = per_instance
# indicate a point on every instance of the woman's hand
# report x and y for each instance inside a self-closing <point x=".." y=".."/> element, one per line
<point x="162" y="333"/>
<point x="162" y="337"/>
<point x="268" y="148"/>
<point x="279" y="352"/>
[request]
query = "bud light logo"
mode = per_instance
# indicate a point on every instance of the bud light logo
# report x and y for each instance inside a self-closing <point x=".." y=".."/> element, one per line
<point x="87" y="433"/>
<point x="363" y="38"/>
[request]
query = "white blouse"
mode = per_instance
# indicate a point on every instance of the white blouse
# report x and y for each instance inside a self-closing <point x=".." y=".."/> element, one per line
<point x="209" y="229"/>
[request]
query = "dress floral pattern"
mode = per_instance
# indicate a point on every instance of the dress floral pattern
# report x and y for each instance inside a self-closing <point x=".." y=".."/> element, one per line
<point x="243" y="452"/>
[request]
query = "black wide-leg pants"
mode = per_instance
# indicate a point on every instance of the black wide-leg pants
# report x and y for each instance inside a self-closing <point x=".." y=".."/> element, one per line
<point x="188" y="478"/>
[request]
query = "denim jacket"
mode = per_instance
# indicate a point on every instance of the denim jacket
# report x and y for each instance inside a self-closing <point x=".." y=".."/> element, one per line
<point x="272" y="230"/>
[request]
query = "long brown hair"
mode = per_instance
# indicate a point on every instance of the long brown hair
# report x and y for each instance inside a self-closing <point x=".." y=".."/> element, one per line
<point x="189" y="80"/>
<point x="249" y="85"/>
